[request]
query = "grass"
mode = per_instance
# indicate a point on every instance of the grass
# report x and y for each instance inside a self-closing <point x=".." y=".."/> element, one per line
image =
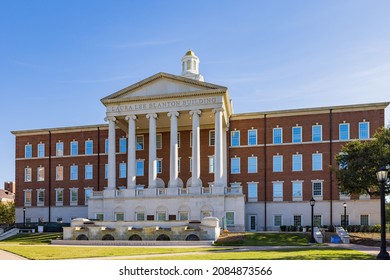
<point x="36" y="247"/>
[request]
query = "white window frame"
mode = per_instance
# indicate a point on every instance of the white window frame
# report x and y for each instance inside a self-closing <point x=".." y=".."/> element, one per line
<point x="74" y="172"/>
<point x="275" y="185"/>
<point x="41" y="150"/>
<point x="316" y="161"/>
<point x="298" y="184"/>
<point x="233" y="138"/>
<point x="300" y="134"/>
<point x="254" y="170"/>
<point x="28" y="151"/>
<point x="318" y="196"/>
<point x="313" y="134"/>
<point x="122" y="170"/>
<point x="281" y="135"/>
<point x="230" y="222"/>
<point x="88" y="193"/>
<point x="233" y="161"/>
<point x="253" y="192"/>
<point x="211" y="164"/>
<point x="58" y="178"/>
<point x="39" y="170"/>
<point x="28" y="174"/>
<point x="249" y="137"/>
<point x="76" y="147"/>
<point x="211" y="138"/>
<point x="281" y="220"/>
<point x="159" y="142"/>
<point x="360" y="130"/>
<point x="59" y="149"/>
<point x="297" y="159"/>
<point x="39" y="201"/>
<point x="143" y="167"/>
<point x="139" y="146"/>
<point x="27" y="197"/>
<point x="59" y="202"/>
<point x="88" y="173"/>
<point x="123" y="145"/>
<point x="86" y="144"/>
<point x="274" y="169"/>
<point x="349" y="132"/>
<point x="73" y="201"/>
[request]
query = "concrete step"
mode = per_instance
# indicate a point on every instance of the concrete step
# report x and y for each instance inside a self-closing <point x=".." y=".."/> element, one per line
<point x="9" y="233"/>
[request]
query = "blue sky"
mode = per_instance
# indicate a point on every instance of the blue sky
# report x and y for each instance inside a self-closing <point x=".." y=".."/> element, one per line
<point x="59" y="58"/>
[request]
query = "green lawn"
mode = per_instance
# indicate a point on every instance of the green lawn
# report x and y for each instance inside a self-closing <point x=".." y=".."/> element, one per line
<point x="269" y="239"/>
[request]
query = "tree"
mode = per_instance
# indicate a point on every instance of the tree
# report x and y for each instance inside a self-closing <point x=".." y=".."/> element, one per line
<point x="7" y="213"/>
<point x="359" y="161"/>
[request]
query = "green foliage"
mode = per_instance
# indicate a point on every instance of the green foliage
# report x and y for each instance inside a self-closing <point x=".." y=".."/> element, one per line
<point x="7" y="213"/>
<point x="359" y="161"/>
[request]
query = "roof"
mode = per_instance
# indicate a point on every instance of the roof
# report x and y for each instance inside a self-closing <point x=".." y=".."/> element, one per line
<point x="6" y="195"/>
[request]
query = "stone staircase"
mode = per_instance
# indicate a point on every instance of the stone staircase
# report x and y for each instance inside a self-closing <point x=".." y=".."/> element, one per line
<point x="9" y="233"/>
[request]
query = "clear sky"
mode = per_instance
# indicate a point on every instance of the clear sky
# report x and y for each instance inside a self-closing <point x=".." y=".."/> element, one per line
<point x="59" y="58"/>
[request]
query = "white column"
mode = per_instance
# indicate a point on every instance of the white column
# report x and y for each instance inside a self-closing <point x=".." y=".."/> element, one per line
<point x="218" y="154"/>
<point x="174" y="152"/>
<point x="152" y="150"/>
<point x="196" y="182"/>
<point x="131" y="156"/>
<point x="111" y="183"/>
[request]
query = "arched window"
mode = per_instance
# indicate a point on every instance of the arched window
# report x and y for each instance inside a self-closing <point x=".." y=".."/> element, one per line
<point x="188" y="64"/>
<point x="163" y="237"/>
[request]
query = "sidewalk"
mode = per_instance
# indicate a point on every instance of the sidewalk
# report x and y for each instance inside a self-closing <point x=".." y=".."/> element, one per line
<point x="4" y="255"/>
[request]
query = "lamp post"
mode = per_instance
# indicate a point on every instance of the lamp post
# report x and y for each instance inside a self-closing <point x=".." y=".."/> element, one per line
<point x="312" y="203"/>
<point x="24" y="216"/>
<point x="382" y="179"/>
<point x="345" y="215"/>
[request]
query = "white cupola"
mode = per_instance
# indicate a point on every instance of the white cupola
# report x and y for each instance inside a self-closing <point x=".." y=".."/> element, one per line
<point x="190" y="66"/>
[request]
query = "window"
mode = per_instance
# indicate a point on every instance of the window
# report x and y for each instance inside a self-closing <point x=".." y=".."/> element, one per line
<point x="252" y="137"/>
<point x="59" y="149"/>
<point x="364" y="130"/>
<point x="27" y="197"/>
<point x="252" y="164"/>
<point x="140" y="168"/>
<point x="74" y="148"/>
<point x="159" y="166"/>
<point x="364" y="220"/>
<point x="183" y="216"/>
<point x="211" y="137"/>
<point x="27" y="174"/>
<point x="235" y="165"/>
<point x="87" y="194"/>
<point x="344" y="220"/>
<point x="59" y="173"/>
<point x="252" y="191"/>
<point x="100" y="216"/>
<point x="316" y="133"/>
<point x="106" y="145"/>
<point x="297" y="134"/>
<point x="190" y="139"/>
<point x="41" y="150"/>
<point x="119" y="216"/>
<point x="229" y="218"/>
<point x="41" y="174"/>
<point x="317" y="188"/>
<point x="277" y="220"/>
<point x="161" y="216"/>
<point x="235" y="141"/>
<point x="122" y="170"/>
<point x="297" y="190"/>
<point x="278" y="135"/>
<point x="158" y="141"/>
<point x="59" y="196"/>
<point x="317" y="220"/>
<point x="89" y="172"/>
<point x="190" y="164"/>
<point x="74" y="170"/>
<point x="297" y="220"/>
<point x="206" y="213"/>
<point x="74" y="196"/>
<point x="122" y="145"/>
<point x="278" y="163"/>
<point x="297" y="162"/>
<point x="28" y="151"/>
<point x="316" y="162"/>
<point x="278" y="191"/>
<point x="140" y="216"/>
<point x="140" y="142"/>
<point x="40" y="197"/>
<point x="344" y="131"/>
<point x="89" y="147"/>
<point x="106" y="171"/>
<point x="211" y="164"/>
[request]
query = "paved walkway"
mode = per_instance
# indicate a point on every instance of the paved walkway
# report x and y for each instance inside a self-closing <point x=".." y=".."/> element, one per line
<point x="4" y="255"/>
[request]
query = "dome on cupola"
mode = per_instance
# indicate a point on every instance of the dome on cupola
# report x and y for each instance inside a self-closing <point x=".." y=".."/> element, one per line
<point x="190" y="66"/>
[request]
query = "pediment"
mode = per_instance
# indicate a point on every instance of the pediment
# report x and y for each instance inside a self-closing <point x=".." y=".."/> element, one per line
<point x="161" y="84"/>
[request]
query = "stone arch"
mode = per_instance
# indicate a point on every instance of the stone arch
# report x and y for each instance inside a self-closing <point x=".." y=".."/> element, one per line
<point x="192" y="237"/>
<point x="189" y="182"/>
<point x="163" y="237"/>
<point x="160" y="183"/>
<point x="108" y="237"/>
<point x="82" y="237"/>
<point x="135" y="237"/>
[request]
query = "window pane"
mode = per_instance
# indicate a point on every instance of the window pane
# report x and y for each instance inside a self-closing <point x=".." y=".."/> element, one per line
<point x="211" y="164"/>
<point x="316" y="133"/>
<point x="41" y="150"/>
<point x="159" y="166"/>
<point x="252" y="190"/>
<point x="296" y="134"/>
<point x="59" y="149"/>
<point x="252" y="137"/>
<point x="106" y="145"/>
<point x="122" y="145"/>
<point x="252" y="165"/>
<point x="89" y="172"/>
<point x="277" y="136"/>
<point x="230" y="218"/>
<point x="74" y="172"/>
<point x="235" y="165"/>
<point x="364" y="220"/>
<point x="277" y="220"/>
<point x="297" y="189"/>
<point x="41" y="174"/>
<point x="235" y="141"/>
<point x="89" y="147"/>
<point x="297" y="163"/>
<point x="317" y="188"/>
<point x="122" y="170"/>
<point x="59" y="173"/>
<point x="28" y="151"/>
<point x="317" y="162"/>
<point x="278" y="189"/>
<point x="27" y="174"/>
<point x="158" y="141"/>
<point x="140" y="142"/>
<point x="297" y="221"/>
<point x="364" y="132"/>
<point x="344" y="131"/>
<point x="74" y="148"/>
<point x="140" y="168"/>
<point x="212" y="138"/>
<point x="278" y="163"/>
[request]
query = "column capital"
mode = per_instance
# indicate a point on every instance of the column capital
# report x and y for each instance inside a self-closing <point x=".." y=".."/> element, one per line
<point x="193" y="112"/>
<point x="151" y="115"/>
<point x="107" y="119"/>
<point x="216" y="110"/>
<point x="173" y="114"/>
<point x="131" y="117"/>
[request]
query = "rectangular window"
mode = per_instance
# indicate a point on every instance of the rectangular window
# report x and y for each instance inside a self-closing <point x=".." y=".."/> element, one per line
<point x="140" y="142"/>
<point x="297" y="190"/>
<point x="364" y="130"/>
<point x="41" y="150"/>
<point x="211" y="137"/>
<point x="364" y="220"/>
<point x="190" y="164"/>
<point x="87" y="194"/>
<point x="183" y="216"/>
<point x="277" y="163"/>
<point x="206" y="213"/>
<point x="158" y="141"/>
<point x="40" y="197"/>
<point x="159" y="166"/>
<point x="59" y="149"/>
<point x="190" y="139"/>
<point x="106" y="171"/>
<point x="100" y="216"/>
<point x="252" y="164"/>
<point x="74" y="148"/>
<point x="161" y="216"/>
<point x="229" y="216"/>
<point x="297" y="134"/>
<point x="41" y="174"/>
<point x="344" y="220"/>
<point x="297" y="162"/>
<point x="277" y="220"/>
<point x="106" y="145"/>
<point x="140" y="216"/>
<point x="252" y="137"/>
<point x="316" y="162"/>
<point x="278" y="135"/>
<point x="344" y="131"/>
<point x="277" y="190"/>
<point x="27" y="174"/>
<point x="89" y="172"/>
<point x="122" y="170"/>
<point x="59" y="173"/>
<point x="59" y="195"/>
<point x="235" y="140"/>
<point x="119" y="216"/>
<point x="211" y="164"/>
<point x="28" y="151"/>
<point x="235" y="165"/>
<point x="122" y="145"/>
<point x="140" y="168"/>
<point x="317" y="188"/>
<point x="297" y="220"/>
<point x="89" y="147"/>
<point x="252" y="191"/>
<point x="317" y="220"/>
<point x="74" y="196"/>
<point x="74" y="170"/>
<point x="27" y="197"/>
<point x="316" y="133"/>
